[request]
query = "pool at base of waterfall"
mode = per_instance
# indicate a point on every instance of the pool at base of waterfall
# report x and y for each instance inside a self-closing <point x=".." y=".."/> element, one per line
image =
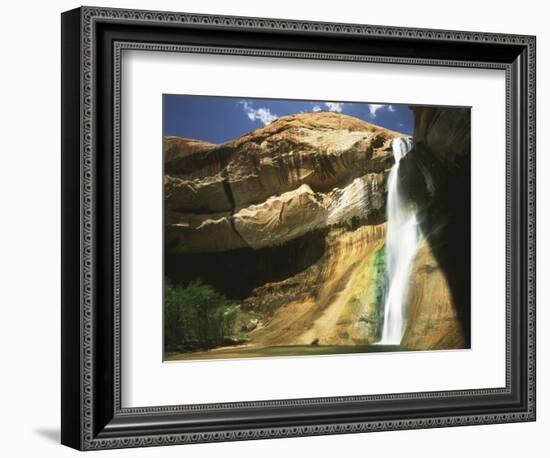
<point x="283" y="350"/>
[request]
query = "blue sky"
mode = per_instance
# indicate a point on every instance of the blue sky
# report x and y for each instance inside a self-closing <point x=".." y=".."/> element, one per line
<point x="218" y="119"/>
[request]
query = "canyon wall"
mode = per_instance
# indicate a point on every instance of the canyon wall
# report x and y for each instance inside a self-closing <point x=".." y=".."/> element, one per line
<point x="435" y="176"/>
<point x="289" y="221"/>
<point x="296" y="175"/>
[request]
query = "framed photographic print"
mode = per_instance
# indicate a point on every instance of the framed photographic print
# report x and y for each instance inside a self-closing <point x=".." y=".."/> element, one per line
<point x="277" y="228"/>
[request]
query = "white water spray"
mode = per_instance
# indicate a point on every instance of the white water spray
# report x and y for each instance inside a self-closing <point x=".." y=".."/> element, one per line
<point x="401" y="246"/>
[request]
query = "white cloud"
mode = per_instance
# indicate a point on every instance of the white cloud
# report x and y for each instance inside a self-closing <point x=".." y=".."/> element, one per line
<point x="373" y="108"/>
<point x="316" y="108"/>
<point x="334" y="106"/>
<point x="264" y="115"/>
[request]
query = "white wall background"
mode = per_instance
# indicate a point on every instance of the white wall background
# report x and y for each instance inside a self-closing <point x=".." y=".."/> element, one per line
<point x="30" y="240"/>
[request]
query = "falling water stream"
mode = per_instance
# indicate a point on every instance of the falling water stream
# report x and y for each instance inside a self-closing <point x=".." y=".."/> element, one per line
<point x="401" y="246"/>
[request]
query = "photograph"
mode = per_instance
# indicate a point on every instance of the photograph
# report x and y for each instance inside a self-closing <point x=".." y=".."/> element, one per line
<point x="314" y="227"/>
<point x="279" y="222"/>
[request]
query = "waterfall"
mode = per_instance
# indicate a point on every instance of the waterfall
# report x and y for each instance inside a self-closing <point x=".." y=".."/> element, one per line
<point x="401" y="246"/>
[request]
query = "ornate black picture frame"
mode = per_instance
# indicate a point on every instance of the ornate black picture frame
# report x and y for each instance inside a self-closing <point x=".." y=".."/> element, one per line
<point x="92" y="42"/>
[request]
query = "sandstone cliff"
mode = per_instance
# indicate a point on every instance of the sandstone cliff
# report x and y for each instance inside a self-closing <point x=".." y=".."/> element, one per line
<point x="287" y="219"/>
<point x="300" y="173"/>
<point x="436" y="179"/>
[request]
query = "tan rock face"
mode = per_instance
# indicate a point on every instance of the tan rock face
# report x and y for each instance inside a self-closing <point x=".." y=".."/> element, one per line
<point x="432" y="321"/>
<point x="333" y="302"/>
<point x="436" y="179"/>
<point x="300" y="173"/>
<point x="445" y="132"/>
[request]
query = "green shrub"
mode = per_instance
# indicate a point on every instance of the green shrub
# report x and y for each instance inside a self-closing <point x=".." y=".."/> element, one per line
<point x="196" y="317"/>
